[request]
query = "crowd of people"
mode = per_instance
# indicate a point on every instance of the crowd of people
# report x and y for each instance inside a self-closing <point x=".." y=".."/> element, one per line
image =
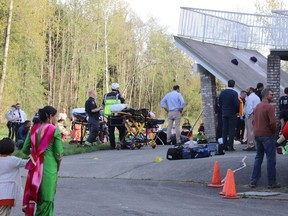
<point x="43" y="144"/>
<point x="250" y="118"/>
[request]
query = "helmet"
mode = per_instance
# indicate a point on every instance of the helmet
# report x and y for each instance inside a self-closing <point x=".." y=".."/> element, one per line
<point x="115" y="86"/>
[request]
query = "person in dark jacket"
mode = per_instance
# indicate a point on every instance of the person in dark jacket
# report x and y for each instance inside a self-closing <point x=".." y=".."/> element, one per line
<point x="22" y="133"/>
<point x="93" y="113"/>
<point x="229" y="105"/>
<point x="258" y="90"/>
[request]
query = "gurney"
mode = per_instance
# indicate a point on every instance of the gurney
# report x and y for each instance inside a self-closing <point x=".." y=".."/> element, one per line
<point x="78" y="126"/>
<point x="140" y="127"/>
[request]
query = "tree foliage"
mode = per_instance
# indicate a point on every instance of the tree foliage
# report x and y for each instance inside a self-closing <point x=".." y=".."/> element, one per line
<point x="267" y="6"/>
<point x="57" y="52"/>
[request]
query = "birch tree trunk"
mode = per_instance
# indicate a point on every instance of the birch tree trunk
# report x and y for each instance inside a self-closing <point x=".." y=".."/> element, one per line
<point x="62" y="73"/>
<point x="50" y="68"/>
<point x="6" y="49"/>
<point x="73" y="78"/>
<point x="106" y="54"/>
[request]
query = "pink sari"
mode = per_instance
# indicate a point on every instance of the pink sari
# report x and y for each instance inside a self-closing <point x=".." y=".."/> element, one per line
<point x="35" y="165"/>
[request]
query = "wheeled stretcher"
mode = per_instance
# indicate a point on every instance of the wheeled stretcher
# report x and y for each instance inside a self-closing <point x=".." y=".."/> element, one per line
<point x="140" y="127"/>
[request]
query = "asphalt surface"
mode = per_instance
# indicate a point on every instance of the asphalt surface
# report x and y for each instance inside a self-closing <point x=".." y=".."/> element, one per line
<point x="130" y="182"/>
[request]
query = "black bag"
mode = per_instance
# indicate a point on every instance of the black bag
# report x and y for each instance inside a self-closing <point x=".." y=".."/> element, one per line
<point x="200" y="152"/>
<point x="174" y="153"/>
<point x="186" y="153"/>
<point x="161" y="138"/>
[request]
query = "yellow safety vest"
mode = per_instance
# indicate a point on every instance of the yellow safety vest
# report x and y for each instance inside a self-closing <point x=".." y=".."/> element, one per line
<point x="109" y="103"/>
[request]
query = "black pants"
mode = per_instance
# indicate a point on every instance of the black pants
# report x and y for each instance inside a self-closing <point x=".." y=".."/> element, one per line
<point x="11" y="130"/>
<point x="228" y="130"/>
<point x="219" y="126"/>
<point x="240" y="129"/>
<point x="111" y="129"/>
<point x="93" y="125"/>
<point x="17" y="126"/>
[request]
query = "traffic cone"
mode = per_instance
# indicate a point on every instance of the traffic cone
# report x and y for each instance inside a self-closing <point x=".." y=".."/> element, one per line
<point x="216" y="178"/>
<point x="230" y="193"/>
<point x="105" y="139"/>
<point x="224" y="189"/>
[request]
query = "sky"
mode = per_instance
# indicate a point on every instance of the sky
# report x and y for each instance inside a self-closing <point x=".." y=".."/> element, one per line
<point x="167" y="12"/>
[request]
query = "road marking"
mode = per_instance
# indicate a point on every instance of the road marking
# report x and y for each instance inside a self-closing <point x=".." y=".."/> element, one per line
<point x="242" y="167"/>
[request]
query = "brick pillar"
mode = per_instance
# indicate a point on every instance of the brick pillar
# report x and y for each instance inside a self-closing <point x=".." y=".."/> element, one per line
<point x="208" y="91"/>
<point x="273" y="80"/>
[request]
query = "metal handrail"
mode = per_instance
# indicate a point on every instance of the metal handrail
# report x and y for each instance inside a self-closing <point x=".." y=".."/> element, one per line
<point x="239" y="30"/>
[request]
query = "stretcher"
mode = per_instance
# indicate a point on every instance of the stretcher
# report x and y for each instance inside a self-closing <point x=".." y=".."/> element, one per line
<point x="80" y="130"/>
<point x="140" y="127"/>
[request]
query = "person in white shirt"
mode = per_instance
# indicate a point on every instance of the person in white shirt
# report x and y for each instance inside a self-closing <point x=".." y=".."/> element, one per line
<point x="10" y="179"/>
<point x="21" y="118"/>
<point x="11" y="119"/>
<point x="251" y="102"/>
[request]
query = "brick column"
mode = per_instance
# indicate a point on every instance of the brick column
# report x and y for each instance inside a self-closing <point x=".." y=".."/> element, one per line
<point x="273" y="80"/>
<point x="208" y="91"/>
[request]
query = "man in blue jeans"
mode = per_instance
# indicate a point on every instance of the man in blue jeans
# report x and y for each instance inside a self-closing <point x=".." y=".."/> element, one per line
<point x="264" y="131"/>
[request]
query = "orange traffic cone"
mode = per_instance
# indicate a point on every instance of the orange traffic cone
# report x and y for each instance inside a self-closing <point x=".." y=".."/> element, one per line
<point x="224" y="189"/>
<point x="230" y="193"/>
<point x="105" y="140"/>
<point x="216" y="178"/>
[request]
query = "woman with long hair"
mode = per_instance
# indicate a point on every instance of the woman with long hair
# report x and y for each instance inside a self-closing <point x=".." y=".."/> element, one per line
<point x="44" y="146"/>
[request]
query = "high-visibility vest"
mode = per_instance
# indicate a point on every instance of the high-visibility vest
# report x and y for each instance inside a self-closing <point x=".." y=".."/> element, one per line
<point x="109" y="103"/>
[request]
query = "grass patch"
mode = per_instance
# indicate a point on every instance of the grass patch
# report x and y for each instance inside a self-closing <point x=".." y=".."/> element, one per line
<point x="69" y="150"/>
<point x="73" y="149"/>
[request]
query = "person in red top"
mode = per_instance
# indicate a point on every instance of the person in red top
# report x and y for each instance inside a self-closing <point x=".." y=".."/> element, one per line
<point x="264" y="130"/>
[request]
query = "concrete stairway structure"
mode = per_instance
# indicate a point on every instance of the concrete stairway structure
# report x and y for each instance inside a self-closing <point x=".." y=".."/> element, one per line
<point x="215" y="38"/>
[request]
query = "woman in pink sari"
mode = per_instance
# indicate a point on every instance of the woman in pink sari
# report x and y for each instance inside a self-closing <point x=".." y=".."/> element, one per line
<point x="44" y="145"/>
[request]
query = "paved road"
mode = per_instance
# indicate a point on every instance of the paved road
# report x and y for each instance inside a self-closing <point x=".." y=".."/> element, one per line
<point x="129" y="182"/>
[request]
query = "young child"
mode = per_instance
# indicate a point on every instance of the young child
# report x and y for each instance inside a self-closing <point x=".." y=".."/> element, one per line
<point x="10" y="179"/>
<point x="63" y="130"/>
<point x="200" y="138"/>
<point x="76" y="132"/>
